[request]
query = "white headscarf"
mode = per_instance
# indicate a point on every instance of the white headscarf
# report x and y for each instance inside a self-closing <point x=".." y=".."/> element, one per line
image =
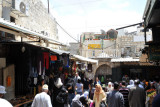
<point x="77" y="97"/>
<point x="85" y="94"/>
<point x="58" y="83"/>
<point x="131" y="82"/>
<point x="109" y="88"/>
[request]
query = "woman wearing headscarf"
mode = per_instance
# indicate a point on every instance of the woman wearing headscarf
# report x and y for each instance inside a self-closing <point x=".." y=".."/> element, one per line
<point x="60" y="94"/>
<point x="76" y="102"/>
<point x="99" y="95"/>
<point x="109" y="87"/>
<point x="131" y="82"/>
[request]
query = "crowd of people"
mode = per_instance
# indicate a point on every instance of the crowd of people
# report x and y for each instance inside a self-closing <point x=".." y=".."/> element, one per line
<point x="79" y="91"/>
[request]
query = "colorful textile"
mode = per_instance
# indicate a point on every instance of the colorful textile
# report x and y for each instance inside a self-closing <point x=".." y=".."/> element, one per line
<point x="53" y="57"/>
<point x="46" y="59"/>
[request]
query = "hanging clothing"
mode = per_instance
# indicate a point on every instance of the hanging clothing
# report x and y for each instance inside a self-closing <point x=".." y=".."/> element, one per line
<point x="40" y="69"/>
<point x="90" y="67"/>
<point x="46" y="59"/>
<point x="102" y="79"/>
<point x="53" y="57"/>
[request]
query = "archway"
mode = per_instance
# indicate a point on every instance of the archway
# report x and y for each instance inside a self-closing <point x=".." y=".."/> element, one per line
<point x="105" y="71"/>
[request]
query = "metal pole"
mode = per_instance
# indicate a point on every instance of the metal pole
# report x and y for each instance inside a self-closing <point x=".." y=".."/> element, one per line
<point x="145" y="35"/>
<point x="48" y="6"/>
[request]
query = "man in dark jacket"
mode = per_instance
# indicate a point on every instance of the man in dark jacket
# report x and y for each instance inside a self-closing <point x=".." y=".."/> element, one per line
<point x="156" y="101"/>
<point x="71" y="91"/>
<point x="136" y="96"/>
<point x="125" y="92"/>
<point x="115" y="98"/>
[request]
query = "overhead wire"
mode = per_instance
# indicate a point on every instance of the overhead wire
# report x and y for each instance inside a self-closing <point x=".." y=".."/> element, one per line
<point x="77" y="40"/>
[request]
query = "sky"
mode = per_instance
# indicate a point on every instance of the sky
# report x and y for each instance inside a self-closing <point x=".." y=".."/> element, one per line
<point x="78" y="16"/>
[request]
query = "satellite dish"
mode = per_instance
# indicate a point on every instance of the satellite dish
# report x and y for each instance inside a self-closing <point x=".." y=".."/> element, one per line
<point x="112" y="33"/>
<point x="103" y="33"/>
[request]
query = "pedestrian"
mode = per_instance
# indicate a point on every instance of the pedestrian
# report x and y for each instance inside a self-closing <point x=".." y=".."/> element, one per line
<point x="131" y="84"/>
<point x="3" y="102"/>
<point x="42" y="99"/>
<point x="156" y="101"/>
<point x="76" y="77"/>
<point x="115" y="98"/>
<point x="40" y="84"/>
<point x="136" y="96"/>
<point x="71" y="91"/>
<point x="86" y="84"/>
<point x="60" y="94"/>
<point x="84" y="99"/>
<point x="97" y="81"/>
<point x="99" y="95"/>
<point x="158" y="88"/>
<point x="109" y="87"/>
<point x="124" y="91"/>
<point x="79" y="87"/>
<point x="91" y="92"/>
<point x="76" y="102"/>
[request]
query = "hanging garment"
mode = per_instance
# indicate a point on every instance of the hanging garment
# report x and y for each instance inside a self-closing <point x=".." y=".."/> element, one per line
<point x="40" y="70"/>
<point x="102" y="79"/>
<point x="53" y="57"/>
<point x="46" y="59"/>
<point x="90" y="67"/>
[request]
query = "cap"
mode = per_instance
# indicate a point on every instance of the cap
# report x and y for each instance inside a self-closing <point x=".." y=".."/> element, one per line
<point x="2" y="90"/>
<point x="45" y="87"/>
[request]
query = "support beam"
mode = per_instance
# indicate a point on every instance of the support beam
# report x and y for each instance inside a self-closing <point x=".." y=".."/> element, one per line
<point x="128" y="26"/>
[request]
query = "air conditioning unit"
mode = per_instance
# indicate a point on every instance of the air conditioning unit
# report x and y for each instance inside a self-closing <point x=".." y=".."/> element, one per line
<point x="20" y="7"/>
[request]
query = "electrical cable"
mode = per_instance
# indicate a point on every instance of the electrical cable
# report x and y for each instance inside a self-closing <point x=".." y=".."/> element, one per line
<point x="76" y="39"/>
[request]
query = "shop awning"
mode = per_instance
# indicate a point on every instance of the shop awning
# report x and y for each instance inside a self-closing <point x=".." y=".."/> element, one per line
<point x="81" y="58"/>
<point x="60" y="52"/>
<point x="151" y="14"/>
<point x="4" y="24"/>
<point x="125" y="60"/>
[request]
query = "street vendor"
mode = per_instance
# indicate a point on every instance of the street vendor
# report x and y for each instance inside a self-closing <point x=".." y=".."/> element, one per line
<point x="3" y="102"/>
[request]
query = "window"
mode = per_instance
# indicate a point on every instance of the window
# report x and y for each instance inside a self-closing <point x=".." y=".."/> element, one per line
<point x="6" y="36"/>
<point x="93" y="53"/>
<point x="12" y="19"/>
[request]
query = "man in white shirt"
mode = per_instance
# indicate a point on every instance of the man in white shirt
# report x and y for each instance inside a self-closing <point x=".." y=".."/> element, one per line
<point x="42" y="99"/>
<point x="3" y="102"/>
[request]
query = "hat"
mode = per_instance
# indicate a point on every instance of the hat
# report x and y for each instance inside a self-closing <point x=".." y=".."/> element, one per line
<point x="45" y="87"/>
<point x="2" y="90"/>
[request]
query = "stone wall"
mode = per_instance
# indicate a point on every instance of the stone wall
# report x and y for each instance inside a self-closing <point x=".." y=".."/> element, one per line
<point x="37" y="19"/>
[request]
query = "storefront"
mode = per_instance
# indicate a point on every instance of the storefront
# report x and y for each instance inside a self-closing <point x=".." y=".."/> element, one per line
<point x="85" y="66"/>
<point x="24" y="63"/>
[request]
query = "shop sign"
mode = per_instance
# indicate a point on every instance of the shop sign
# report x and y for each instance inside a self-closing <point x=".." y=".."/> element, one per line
<point x="94" y="46"/>
<point x="154" y="53"/>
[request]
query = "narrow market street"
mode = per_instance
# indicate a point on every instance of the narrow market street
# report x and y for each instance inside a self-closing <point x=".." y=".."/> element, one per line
<point x="88" y="53"/>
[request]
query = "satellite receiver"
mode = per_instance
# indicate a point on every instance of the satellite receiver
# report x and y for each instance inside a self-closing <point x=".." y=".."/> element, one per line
<point x="102" y="36"/>
<point x="112" y="33"/>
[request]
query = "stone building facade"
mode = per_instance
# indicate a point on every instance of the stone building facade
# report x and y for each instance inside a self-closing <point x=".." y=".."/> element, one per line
<point x="92" y="46"/>
<point x="30" y="14"/>
<point x="128" y="45"/>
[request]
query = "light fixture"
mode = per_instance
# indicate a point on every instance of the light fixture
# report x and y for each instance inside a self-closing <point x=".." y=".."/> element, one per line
<point x="23" y="49"/>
